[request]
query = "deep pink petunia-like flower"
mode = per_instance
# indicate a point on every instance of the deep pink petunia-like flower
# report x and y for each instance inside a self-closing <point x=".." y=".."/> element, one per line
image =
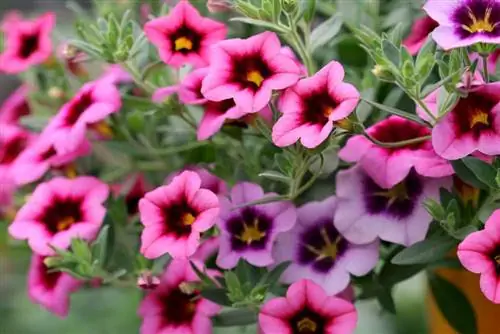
<point x="184" y="36"/>
<point x="208" y="180"/>
<point x="420" y="30"/>
<point x="250" y="232"/>
<point x="473" y="125"/>
<point x="311" y="107"/>
<point x="59" y="210"/>
<point x="464" y="22"/>
<point x="87" y="109"/>
<point x="15" y="106"/>
<point x="319" y="252"/>
<point x="171" y="309"/>
<point x="389" y="166"/>
<point x="366" y="211"/>
<point x="40" y="156"/>
<point x="175" y="215"/>
<point x="132" y="189"/>
<point x="13" y="140"/>
<point x="27" y="42"/>
<point x="480" y="254"/>
<point x="248" y="70"/>
<point x="306" y="309"/>
<point x="51" y="290"/>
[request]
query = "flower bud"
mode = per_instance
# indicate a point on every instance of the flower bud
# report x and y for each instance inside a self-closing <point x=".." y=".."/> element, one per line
<point x="345" y="124"/>
<point x="56" y="93"/>
<point x="382" y="73"/>
<point x="218" y="6"/>
<point x="289" y="6"/>
<point x="147" y="281"/>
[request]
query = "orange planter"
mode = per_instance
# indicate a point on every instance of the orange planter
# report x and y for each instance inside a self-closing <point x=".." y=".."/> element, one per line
<point x="487" y="313"/>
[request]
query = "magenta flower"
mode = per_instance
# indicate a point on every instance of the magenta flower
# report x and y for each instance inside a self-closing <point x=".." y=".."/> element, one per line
<point x="60" y="210"/>
<point x="171" y="309"/>
<point x="306" y="309"/>
<point x="175" y="215"/>
<point x="40" y="156"/>
<point x="319" y="252"/>
<point x="366" y="211"/>
<point x="249" y="232"/>
<point x="473" y="125"/>
<point x="207" y="249"/>
<point x="311" y="107"/>
<point x="27" y="43"/>
<point x="208" y="180"/>
<point x="480" y="254"/>
<point x="13" y="140"/>
<point x="132" y="189"/>
<point x="184" y="36"/>
<point x="465" y="22"/>
<point x="420" y="30"/>
<point x="248" y="70"/>
<point x="389" y="166"/>
<point x="51" y="290"/>
<point x="15" y="106"/>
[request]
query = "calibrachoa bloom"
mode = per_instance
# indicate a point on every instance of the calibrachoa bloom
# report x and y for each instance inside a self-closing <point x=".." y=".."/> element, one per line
<point x="132" y="189"/>
<point x="208" y="180"/>
<point x="319" y="252"/>
<point x="366" y="211"/>
<point x="420" y="31"/>
<point x="389" y="166"/>
<point x="40" y="156"/>
<point x="465" y="22"/>
<point x="15" y="106"/>
<point x="248" y="70"/>
<point x="184" y="36"/>
<point x="480" y="254"/>
<point x="59" y="210"/>
<point x="27" y="42"/>
<point x="51" y="290"/>
<point x="473" y="125"/>
<point x="87" y="109"/>
<point x="175" y="215"/>
<point x="311" y="107"/>
<point x="306" y="309"/>
<point x="171" y="309"/>
<point x="13" y="140"/>
<point x="249" y="232"/>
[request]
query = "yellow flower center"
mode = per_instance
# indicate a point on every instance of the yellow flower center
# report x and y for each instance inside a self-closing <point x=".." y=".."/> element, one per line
<point x="103" y="129"/>
<point x="183" y="43"/>
<point x="483" y="25"/>
<point x="307" y="325"/>
<point x="188" y="219"/>
<point x="251" y="233"/>
<point x="255" y="77"/>
<point x="327" y="111"/>
<point x="70" y="171"/>
<point x="329" y="249"/>
<point x="479" y="117"/>
<point x="396" y="193"/>
<point x="65" y="223"/>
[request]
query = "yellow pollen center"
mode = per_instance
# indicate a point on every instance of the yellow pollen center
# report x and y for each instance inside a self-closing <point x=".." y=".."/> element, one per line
<point x="187" y="219"/>
<point x="396" y="193"/>
<point x="306" y="325"/>
<point x="483" y="25"/>
<point x="65" y="223"/>
<point x="329" y="249"/>
<point x="479" y="117"/>
<point x="251" y="233"/>
<point x="183" y="43"/>
<point x="255" y="77"/>
<point x="327" y="111"/>
<point x="497" y="258"/>
<point x="103" y="129"/>
<point x="70" y="171"/>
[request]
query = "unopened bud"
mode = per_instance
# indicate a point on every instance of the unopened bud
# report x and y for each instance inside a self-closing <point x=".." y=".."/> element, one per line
<point x="56" y="93"/>
<point x="345" y="124"/>
<point x="289" y="6"/>
<point x="51" y="261"/>
<point x="69" y="51"/>
<point x="382" y="73"/>
<point x="148" y="281"/>
<point x="218" y="6"/>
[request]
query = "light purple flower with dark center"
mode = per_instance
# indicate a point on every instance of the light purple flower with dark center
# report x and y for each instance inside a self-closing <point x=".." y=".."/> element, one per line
<point x="464" y="22"/>
<point x="249" y="232"/>
<point x="367" y="211"/>
<point x="319" y="252"/>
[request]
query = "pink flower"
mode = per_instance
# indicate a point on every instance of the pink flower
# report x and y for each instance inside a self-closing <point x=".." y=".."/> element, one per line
<point x="51" y="290"/>
<point x="311" y="107"/>
<point x="480" y="254"/>
<point x="218" y="6"/>
<point x="250" y="232"/>
<point x="15" y="106"/>
<point x="473" y="125"/>
<point x="116" y="75"/>
<point x="60" y="210"/>
<point x="319" y="252"/>
<point x="366" y="211"/>
<point x="171" y="309"/>
<point x="420" y="31"/>
<point x="208" y="180"/>
<point x="40" y="156"/>
<point x="306" y="309"/>
<point x="27" y="43"/>
<point x="389" y="166"/>
<point x="132" y="189"/>
<point x="184" y="36"/>
<point x="13" y="140"/>
<point x="248" y="70"/>
<point x="207" y="249"/>
<point x="175" y="215"/>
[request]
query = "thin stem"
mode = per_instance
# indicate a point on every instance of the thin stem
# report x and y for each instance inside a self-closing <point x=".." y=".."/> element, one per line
<point x="311" y="181"/>
<point x="136" y="75"/>
<point x="398" y="143"/>
<point x="485" y="68"/>
<point x="424" y="106"/>
<point x="294" y="39"/>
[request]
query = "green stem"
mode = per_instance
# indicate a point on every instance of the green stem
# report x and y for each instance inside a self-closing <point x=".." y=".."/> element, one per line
<point x="298" y="44"/>
<point x="398" y="143"/>
<point x="485" y="68"/>
<point x="311" y="180"/>
<point x="424" y="106"/>
<point x="136" y="75"/>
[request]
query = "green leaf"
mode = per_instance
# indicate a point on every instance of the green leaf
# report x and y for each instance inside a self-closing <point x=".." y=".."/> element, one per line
<point x="260" y="23"/>
<point x="308" y="7"/>
<point x="242" y="317"/>
<point x="325" y="32"/>
<point x="391" y="52"/>
<point x="81" y="250"/>
<point x="483" y="171"/>
<point x="232" y="282"/>
<point x="466" y="175"/>
<point x="276" y="10"/>
<point x="100" y="245"/>
<point x="392" y="274"/>
<point x="385" y="299"/>
<point x="273" y="276"/>
<point x="445" y="196"/>
<point x="435" y="209"/>
<point x="454" y="305"/>
<point x="201" y="275"/>
<point x="394" y="111"/>
<point x="276" y="176"/>
<point x="428" y="48"/>
<point x="425" y="251"/>
<point x="446" y="79"/>
<point x="217" y="295"/>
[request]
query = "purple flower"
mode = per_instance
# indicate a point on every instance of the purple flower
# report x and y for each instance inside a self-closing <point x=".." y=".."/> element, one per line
<point x="367" y="211"/>
<point x="249" y="232"/>
<point x="465" y="22"/>
<point x="319" y="252"/>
